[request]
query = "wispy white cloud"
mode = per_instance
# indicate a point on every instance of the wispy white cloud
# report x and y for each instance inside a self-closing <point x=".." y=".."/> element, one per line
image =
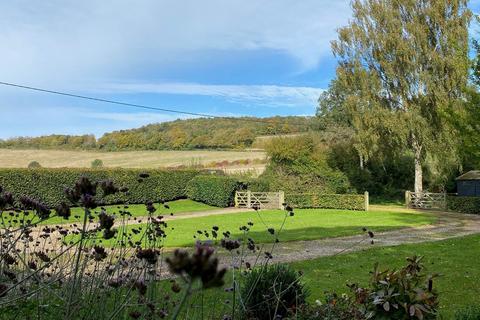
<point x="271" y="95"/>
<point x="81" y="46"/>
<point x="138" y="118"/>
<point x="58" y="40"/>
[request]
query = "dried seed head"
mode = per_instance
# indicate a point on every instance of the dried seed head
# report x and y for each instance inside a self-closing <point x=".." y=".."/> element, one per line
<point x="6" y="199"/>
<point x="99" y="253"/>
<point x="63" y="210"/>
<point x="150" y="207"/>
<point x="40" y="208"/>
<point x="106" y="221"/>
<point x="148" y="255"/>
<point x="88" y="201"/>
<point x="230" y="244"/>
<point x="108" y="187"/>
<point x="200" y="265"/>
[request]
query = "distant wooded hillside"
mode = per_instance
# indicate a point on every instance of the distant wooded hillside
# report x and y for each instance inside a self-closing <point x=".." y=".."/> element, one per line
<point x="202" y="133"/>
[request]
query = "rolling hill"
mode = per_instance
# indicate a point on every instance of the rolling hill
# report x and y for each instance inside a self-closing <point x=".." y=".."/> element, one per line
<point x="189" y="134"/>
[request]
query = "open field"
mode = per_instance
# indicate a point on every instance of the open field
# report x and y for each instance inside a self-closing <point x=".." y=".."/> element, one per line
<point x="126" y="159"/>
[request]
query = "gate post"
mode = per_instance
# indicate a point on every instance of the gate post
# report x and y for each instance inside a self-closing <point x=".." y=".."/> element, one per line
<point x="249" y="199"/>
<point x="281" y="199"/>
<point x="367" y="201"/>
<point x="407" y="199"/>
<point x="236" y="199"/>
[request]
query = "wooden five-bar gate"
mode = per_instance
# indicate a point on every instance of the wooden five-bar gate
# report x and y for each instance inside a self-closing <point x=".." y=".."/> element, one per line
<point x="261" y="200"/>
<point x="426" y="200"/>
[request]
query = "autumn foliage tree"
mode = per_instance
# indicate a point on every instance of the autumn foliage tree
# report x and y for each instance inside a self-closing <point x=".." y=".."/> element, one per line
<point x="402" y="70"/>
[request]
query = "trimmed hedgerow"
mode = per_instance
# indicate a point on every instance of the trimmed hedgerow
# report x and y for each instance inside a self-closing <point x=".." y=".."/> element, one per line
<point x="464" y="204"/>
<point x="256" y="185"/>
<point x="47" y="185"/>
<point x="327" y="201"/>
<point x="214" y="190"/>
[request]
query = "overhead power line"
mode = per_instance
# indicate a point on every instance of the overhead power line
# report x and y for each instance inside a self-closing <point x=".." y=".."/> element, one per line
<point x="139" y="106"/>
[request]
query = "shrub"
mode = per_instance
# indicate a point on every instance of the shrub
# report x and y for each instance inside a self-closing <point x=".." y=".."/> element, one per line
<point x="307" y="178"/>
<point x="97" y="163"/>
<point x="300" y="165"/>
<point x="327" y="201"/>
<point x="273" y="292"/>
<point x="468" y="313"/>
<point x="48" y="185"/>
<point x="214" y="190"/>
<point x="406" y="293"/>
<point x="34" y="165"/>
<point x="464" y="204"/>
<point x="258" y="185"/>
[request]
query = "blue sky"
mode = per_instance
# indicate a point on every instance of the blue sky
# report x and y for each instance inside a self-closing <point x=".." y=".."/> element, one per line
<point x="235" y="57"/>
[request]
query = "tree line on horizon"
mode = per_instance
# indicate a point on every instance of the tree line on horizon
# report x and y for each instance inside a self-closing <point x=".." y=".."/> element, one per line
<point x="188" y="134"/>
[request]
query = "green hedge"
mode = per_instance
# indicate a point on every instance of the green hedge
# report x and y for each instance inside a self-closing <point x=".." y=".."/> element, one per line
<point x="48" y="185"/>
<point x="256" y="185"/>
<point x="214" y="190"/>
<point x="327" y="201"/>
<point x="464" y="204"/>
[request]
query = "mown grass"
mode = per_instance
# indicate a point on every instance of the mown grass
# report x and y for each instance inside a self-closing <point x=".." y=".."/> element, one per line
<point x="307" y="224"/>
<point x="455" y="259"/>
<point x="177" y="207"/>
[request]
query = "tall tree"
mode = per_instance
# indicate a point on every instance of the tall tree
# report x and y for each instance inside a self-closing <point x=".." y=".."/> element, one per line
<point x="403" y="66"/>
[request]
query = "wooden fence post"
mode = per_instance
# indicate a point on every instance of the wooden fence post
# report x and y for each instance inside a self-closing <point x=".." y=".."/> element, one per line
<point x="407" y="199"/>
<point x="445" y="206"/>
<point x="236" y="199"/>
<point x="281" y="199"/>
<point x="367" y="201"/>
<point x="249" y="199"/>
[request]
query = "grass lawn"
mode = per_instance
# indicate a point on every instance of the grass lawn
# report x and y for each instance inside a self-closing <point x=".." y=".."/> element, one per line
<point x="457" y="260"/>
<point x="137" y="210"/>
<point x="307" y="224"/>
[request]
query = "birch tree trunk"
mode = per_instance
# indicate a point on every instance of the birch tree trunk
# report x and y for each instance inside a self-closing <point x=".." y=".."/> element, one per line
<point x="417" y="149"/>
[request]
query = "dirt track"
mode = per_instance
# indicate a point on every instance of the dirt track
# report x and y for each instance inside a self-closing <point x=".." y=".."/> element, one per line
<point x="448" y="225"/>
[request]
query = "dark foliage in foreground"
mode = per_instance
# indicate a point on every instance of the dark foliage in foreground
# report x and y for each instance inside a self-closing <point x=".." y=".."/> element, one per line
<point x="406" y="293"/>
<point x="273" y="291"/>
<point x="72" y="272"/>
